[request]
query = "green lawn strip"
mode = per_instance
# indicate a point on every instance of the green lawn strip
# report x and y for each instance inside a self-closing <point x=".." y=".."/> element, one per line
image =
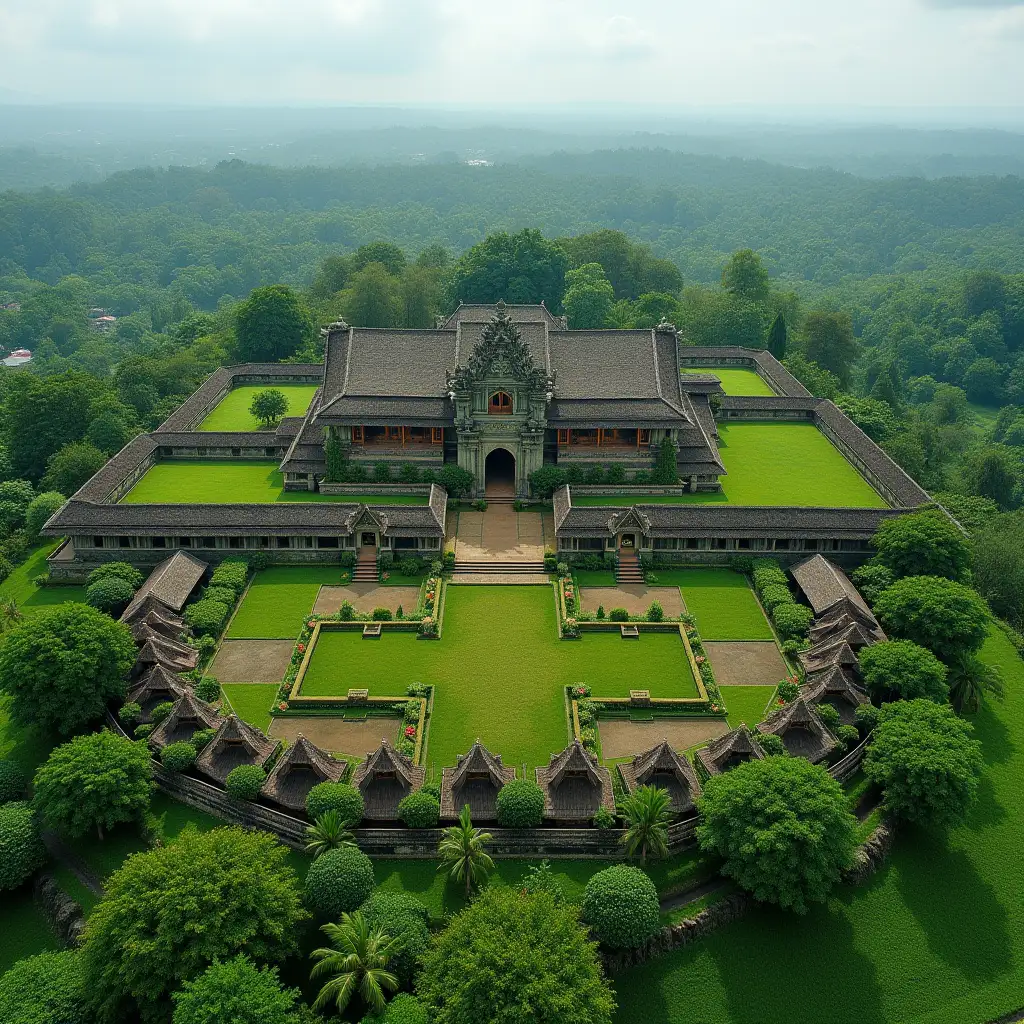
<point x="227" y="481"/>
<point x="594" y="578"/>
<point x="746" y="703"/>
<point x="251" y="701"/>
<point x="935" y="937"/>
<point x="499" y="671"/>
<point x="396" y="579"/>
<point x="232" y="412"/>
<point x="721" y="601"/>
<point x="736" y="381"/>
<point x="21" y="586"/>
<point x="23" y="928"/>
<point x="684" y="913"/>
<point x="278" y="599"/>
<point x="69" y="882"/>
<point x="772" y="464"/>
<point x="24" y="744"/>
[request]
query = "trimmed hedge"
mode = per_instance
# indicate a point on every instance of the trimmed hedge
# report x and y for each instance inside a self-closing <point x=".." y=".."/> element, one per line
<point x="792" y="621"/>
<point x="245" y="781"/>
<point x="232" y="574"/>
<point x="21" y="849"/>
<point x="12" y="781"/>
<point x="339" y="881"/>
<point x="335" y="796"/>
<point x="620" y="904"/>
<point x="178" y="756"/>
<point x="520" y="804"/>
<point x="116" y="570"/>
<point x="419" y="810"/>
<point x="206" y="617"/>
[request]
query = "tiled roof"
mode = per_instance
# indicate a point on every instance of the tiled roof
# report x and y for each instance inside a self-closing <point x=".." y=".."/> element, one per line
<point x="170" y="583"/>
<point x="160" y="652"/>
<point x="297" y="770"/>
<point x="825" y="584"/>
<point x="222" y="439"/>
<point x="477" y="312"/>
<point x="235" y="743"/>
<point x="830" y="626"/>
<point x="802" y="732"/>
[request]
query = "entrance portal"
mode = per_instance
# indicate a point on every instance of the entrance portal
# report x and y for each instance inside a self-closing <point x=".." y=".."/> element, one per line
<point x="500" y="473"/>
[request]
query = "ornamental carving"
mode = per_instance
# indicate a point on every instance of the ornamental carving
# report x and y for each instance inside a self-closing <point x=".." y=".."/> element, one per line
<point x="501" y="352"/>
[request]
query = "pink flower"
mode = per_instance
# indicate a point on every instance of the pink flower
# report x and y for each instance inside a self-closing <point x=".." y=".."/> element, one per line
<point x="301" y="648"/>
<point x="283" y="706"/>
<point x="311" y="623"/>
<point x="410" y="731"/>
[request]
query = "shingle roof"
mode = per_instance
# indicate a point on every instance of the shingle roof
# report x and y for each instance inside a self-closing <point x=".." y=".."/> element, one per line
<point x="802" y="732"/>
<point x="160" y="652"/>
<point x="386" y="759"/>
<point x="824" y="584"/>
<point x="171" y="582"/>
<point x="575" y="785"/>
<point x="662" y="766"/>
<point x="302" y="766"/>
<point x="188" y="715"/>
<point x="827" y="654"/>
<point x="155" y="687"/>
<point x="477" y="312"/>
<point x="732" y="748"/>
<point x="155" y="615"/>
<point x="832" y="682"/>
<point x="831" y="626"/>
<point x="235" y="743"/>
<point x="476" y="779"/>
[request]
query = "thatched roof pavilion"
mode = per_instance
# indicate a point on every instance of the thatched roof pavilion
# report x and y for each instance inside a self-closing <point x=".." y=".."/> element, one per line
<point x="235" y="743"/>
<point x="174" y="656"/>
<point x="156" y="617"/>
<point x="834" y="686"/>
<point x="661" y="766"/>
<point x="385" y="778"/>
<point x="575" y="785"/>
<point x="828" y="654"/>
<point x="301" y="767"/>
<point x="157" y="686"/>
<point x="825" y="585"/>
<point x="476" y="780"/>
<point x="170" y="583"/>
<point x="188" y="716"/>
<point x="736" y="747"/>
<point x="802" y="732"/>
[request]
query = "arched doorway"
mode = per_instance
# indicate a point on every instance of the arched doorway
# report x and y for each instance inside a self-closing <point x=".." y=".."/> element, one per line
<point x="500" y="473"/>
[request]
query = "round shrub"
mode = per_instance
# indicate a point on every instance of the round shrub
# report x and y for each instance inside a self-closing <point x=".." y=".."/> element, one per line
<point x="142" y="731"/>
<point x="618" y="615"/>
<point x="767" y="573"/>
<point x="792" y="621"/>
<point x="604" y="818"/>
<point x="433" y="788"/>
<point x="520" y="804"/>
<point x="620" y="904"/>
<point x="44" y="989"/>
<point x="161" y="711"/>
<point x="403" y="1009"/>
<point x="12" y="781"/>
<point x="404" y="918"/>
<point x="231" y="574"/>
<point x="117" y="570"/>
<point x="901" y="669"/>
<point x="178" y="756"/>
<point x="829" y="715"/>
<point x="128" y="713"/>
<point x="775" y="594"/>
<point x="655" y="613"/>
<point x="110" y="594"/>
<point x="223" y="594"/>
<point x="208" y="689"/>
<point x="21" y="850"/>
<point x="206" y="617"/>
<point x="381" y="615"/>
<point x="338" y="881"/>
<point x="848" y="735"/>
<point x="245" y="781"/>
<point x="258" y="561"/>
<point x="771" y="744"/>
<point x="201" y="737"/>
<point x="420" y="810"/>
<point x="335" y="796"/>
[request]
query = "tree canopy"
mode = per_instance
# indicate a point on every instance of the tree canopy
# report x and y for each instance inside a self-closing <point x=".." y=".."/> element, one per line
<point x="271" y="324"/>
<point x="923" y="544"/>
<point x="901" y="669"/>
<point x="235" y="990"/>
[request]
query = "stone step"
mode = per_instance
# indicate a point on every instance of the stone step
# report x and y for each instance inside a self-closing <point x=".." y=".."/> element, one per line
<point x="499" y="579"/>
<point x="497" y="567"/>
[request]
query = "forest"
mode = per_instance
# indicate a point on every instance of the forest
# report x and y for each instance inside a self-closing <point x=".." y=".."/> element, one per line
<point x="902" y="299"/>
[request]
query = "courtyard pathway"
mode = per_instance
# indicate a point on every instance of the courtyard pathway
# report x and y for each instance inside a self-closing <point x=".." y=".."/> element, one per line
<point x="500" y="534"/>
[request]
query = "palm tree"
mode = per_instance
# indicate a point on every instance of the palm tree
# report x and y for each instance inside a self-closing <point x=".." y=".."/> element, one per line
<point x="10" y="613"/>
<point x="647" y="813"/>
<point x="328" y="832"/>
<point x="969" y="677"/>
<point x="355" y="961"/>
<point x="462" y="852"/>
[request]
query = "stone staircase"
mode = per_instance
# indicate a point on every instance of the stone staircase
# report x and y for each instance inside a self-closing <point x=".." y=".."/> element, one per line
<point x="629" y="571"/>
<point x="490" y="572"/>
<point x="365" y="570"/>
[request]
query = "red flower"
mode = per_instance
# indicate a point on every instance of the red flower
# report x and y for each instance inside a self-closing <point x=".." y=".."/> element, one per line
<point x="311" y="624"/>
<point x="410" y="731"/>
<point x="283" y="706"/>
<point x="301" y="648"/>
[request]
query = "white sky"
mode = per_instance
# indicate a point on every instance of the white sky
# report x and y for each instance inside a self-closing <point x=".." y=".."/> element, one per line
<point x="679" y="53"/>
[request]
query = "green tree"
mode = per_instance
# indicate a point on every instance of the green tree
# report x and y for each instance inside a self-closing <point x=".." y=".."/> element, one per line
<point x="111" y="595"/>
<point x="44" y="989"/>
<point x="40" y="509"/>
<point x="94" y="782"/>
<point x="630" y="266"/>
<point x="420" y="290"/>
<point x="387" y="254"/>
<point x="271" y="325"/>
<point x="463" y="852"/>
<point x="666" y="470"/>
<point x="926" y="761"/>
<point x="331" y="277"/>
<point x="373" y="298"/>
<point x="356" y="961"/>
<point x="828" y="341"/>
<point x="778" y="335"/>
<point x="405" y="919"/>
<point x="588" y="297"/>
<point x="168" y="913"/>
<point x="997" y="557"/>
<point x="620" y="905"/>
<point x="923" y="544"/>
<point x="994" y="471"/>
<point x="782" y="827"/>
<point x="745" y="277"/>
<point x="902" y="670"/>
<point x="267" y="407"/>
<point x="339" y="880"/>
<point x="969" y="679"/>
<point x="647" y="813"/>
<point x="521" y="267"/>
<point x="64" y="667"/>
<point x="238" y="991"/>
<point x="820" y="382"/>
<point x="110" y="432"/>
<point x="946" y="617"/>
<point x="328" y="832"/>
<point x="72" y="466"/>
<point x="21" y="849"/>
<point x="520" y="804"/>
<point x="984" y="290"/>
<point x="511" y="957"/>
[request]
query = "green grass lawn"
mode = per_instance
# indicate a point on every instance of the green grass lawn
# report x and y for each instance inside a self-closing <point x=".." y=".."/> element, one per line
<point x="223" y="481"/>
<point x="23" y="929"/>
<point x="746" y="703"/>
<point x="232" y="412"/>
<point x="251" y="701"/>
<point x="499" y="671"/>
<point x="735" y="381"/>
<point x="935" y="937"/>
<point x="773" y="464"/>
<point x="20" y="584"/>
<point x="721" y="601"/>
<point x="277" y="600"/>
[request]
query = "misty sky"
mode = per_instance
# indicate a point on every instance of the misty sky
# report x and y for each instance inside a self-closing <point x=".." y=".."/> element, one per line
<point x="694" y="53"/>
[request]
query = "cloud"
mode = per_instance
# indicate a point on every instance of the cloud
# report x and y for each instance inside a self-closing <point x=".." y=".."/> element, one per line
<point x="624" y="39"/>
<point x="971" y="4"/>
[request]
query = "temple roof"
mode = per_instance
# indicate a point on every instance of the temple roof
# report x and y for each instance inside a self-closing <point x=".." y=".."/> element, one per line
<point x="478" y="769"/>
<point x="308" y="759"/>
<point x="575" y="785"/>
<point x="801" y="730"/>
<point x="832" y="682"/>
<point x="388" y="760"/>
<point x="157" y="650"/>
<point x="659" y="761"/>
<point x="827" y="654"/>
<point x="187" y="709"/>
<point x="156" y="686"/>
<point x="149" y="621"/>
<point x="235" y="743"/>
<point x="834" y="627"/>
<point x="825" y="584"/>
<point x="171" y="582"/>
<point x="739" y="743"/>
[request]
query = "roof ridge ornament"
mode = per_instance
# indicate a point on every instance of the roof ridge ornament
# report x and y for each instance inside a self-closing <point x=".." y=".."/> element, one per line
<point x="501" y="351"/>
<point x="666" y="327"/>
<point x="334" y="325"/>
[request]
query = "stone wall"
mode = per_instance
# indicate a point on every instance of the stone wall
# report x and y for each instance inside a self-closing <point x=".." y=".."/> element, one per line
<point x="63" y="914"/>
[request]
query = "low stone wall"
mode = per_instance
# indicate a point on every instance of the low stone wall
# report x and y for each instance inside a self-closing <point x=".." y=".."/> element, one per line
<point x="628" y="492"/>
<point x="63" y="914"/>
<point x="420" y="490"/>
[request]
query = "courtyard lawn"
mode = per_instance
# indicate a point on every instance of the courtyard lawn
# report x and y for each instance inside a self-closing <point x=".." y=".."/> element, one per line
<point x="499" y="672"/>
<point x="21" y="586"/>
<point x="251" y="701"/>
<point x="936" y="936"/>
<point x="232" y="412"/>
<point x="225" y="481"/>
<point x="746" y="703"/>
<point x="773" y="464"/>
<point x="23" y="928"/>
<point x="277" y="600"/>
<point x="722" y="603"/>
<point x="736" y="381"/>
